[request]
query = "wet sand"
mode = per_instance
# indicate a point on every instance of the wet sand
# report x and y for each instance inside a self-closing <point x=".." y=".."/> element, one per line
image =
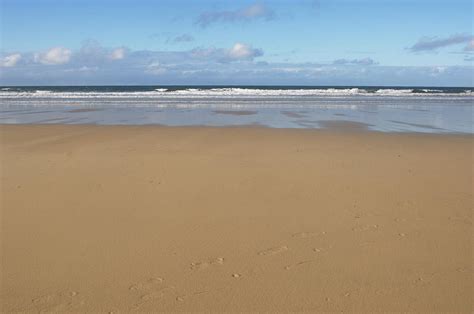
<point x="84" y="110"/>
<point x="141" y="218"/>
<point x="236" y="112"/>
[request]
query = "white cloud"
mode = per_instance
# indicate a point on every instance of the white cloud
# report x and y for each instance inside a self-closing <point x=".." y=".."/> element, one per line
<point x="118" y="53"/>
<point x="10" y="60"/>
<point x="181" y="39"/>
<point x="251" y="12"/>
<point x="235" y="64"/>
<point x="434" y="43"/>
<point x="83" y="69"/>
<point x="438" y="70"/>
<point x="254" y="10"/>
<point x="470" y="46"/>
<point x="241" y="51"/>
<point x="56" y="55"/>
<point x="202" y="53"/>
<point x="364" y="61"/>
<point x="238" y="52"/>
<point x="155" y="68"/>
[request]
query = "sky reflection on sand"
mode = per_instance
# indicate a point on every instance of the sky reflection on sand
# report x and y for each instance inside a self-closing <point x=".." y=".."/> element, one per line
<point x="438" y="118"/>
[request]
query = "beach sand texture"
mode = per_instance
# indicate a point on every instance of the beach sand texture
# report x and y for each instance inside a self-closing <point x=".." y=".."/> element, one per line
<point x="121" y="219"/>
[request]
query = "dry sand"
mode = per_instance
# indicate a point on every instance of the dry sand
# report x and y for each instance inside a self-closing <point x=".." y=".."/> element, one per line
<point x="122" y="219"/>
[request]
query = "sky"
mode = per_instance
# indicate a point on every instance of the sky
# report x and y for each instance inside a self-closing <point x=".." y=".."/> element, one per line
<point x="239" y="42"/>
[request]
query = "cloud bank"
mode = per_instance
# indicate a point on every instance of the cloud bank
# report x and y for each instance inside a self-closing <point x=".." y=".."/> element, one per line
<point x="237" y="64"/>
<point x="364" y="61"/>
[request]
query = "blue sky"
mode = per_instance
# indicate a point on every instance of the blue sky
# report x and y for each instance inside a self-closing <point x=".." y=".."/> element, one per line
<point x="288" y="42"/>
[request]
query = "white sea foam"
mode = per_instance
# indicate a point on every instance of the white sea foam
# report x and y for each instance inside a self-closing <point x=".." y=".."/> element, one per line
<point x="228" y="93"/>
<point x="42" y="92"/>
<point x="394" y="92"/>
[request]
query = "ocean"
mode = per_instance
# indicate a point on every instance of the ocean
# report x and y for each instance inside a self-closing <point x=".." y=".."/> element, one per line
<point x="377" y="108"/>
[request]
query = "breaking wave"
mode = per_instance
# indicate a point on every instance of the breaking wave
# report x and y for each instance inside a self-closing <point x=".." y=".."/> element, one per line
<point x="18" y="92"/>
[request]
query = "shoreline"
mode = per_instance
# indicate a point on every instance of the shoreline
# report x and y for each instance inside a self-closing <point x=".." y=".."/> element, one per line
<point x="433" y="114"/>
<point x="100" y="218"/>
<point x="330" y="126"/>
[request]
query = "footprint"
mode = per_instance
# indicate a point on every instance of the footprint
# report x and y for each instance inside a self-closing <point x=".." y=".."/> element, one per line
<point x="303" y="235"/>
<point x="288" y="267"/>
<point x="274" y="250"/>
<point x="366" y="244"/>
<point x="420" y="281"/>
<point x="150" y="290"/>
<point x="365" y="228"/>
<point x="147" y="284"/>
<point x="49" y="297"/>
<point x="183" y="297"/>
<point x="459" y="219"/>
<point x="398" y="219"/>
<point x="157" y="294"/>
<point x="321" y="250"/>
<point x="350" y="293"/>
<point x="208" y="263"/>
<point x="63" y="301"/>
<point x="152" y="296"/>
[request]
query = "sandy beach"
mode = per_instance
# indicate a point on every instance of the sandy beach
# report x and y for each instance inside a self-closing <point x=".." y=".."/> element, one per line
<point x="119" y="219"/>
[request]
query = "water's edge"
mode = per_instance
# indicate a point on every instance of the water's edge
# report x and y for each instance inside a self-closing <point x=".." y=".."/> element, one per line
<point x="424" y="110"/>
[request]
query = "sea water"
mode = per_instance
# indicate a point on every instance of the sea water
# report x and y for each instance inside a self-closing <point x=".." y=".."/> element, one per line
<point x="388" y="109"/>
